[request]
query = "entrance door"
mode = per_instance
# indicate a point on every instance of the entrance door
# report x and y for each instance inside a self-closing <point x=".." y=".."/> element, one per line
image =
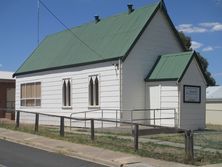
<point x="154" y="101"/>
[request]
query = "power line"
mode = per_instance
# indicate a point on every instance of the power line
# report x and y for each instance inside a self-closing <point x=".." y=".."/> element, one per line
<point x="66" y="27"/>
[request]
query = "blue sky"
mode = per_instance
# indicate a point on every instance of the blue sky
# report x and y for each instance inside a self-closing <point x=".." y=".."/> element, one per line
<point x="199" y="19"/>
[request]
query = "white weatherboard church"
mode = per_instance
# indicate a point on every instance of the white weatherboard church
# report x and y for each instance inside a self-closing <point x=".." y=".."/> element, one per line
<point x="130" y="61"/>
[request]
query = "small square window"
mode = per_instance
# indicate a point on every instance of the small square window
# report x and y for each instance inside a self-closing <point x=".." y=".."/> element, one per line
<point x="31" y="94"/>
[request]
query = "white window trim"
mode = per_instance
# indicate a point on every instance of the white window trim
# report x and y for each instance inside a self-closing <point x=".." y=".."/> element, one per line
<point x="94" y="95"/>
<point x="40" y="98"/>
<point x="66" y="106"/>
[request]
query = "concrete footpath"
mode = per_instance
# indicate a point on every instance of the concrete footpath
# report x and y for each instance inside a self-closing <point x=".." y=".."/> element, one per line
<point x="89" y="153"/>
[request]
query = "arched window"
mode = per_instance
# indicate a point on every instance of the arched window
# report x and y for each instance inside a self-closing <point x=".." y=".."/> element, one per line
<point x="96" y="91"/>
<point x="68" y="93"/>
<point x="64" y="93"/>
<point x="91" y="99"/>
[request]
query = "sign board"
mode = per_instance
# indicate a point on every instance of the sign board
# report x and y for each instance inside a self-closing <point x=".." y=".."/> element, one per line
<point x="191" y="94"/>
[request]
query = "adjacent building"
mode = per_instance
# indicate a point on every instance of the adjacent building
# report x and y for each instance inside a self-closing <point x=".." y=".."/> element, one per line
<point x="214" y="105"/>
<point x="7" y="95"/>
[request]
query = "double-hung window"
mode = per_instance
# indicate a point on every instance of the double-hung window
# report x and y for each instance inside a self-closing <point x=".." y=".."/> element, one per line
<point x="66" y="93"/>
<point x="94" y="91"/>
<point x="30" y="94"/>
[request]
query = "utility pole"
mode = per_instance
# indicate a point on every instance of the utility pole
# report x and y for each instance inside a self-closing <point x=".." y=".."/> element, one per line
<point x="37" y="22"/>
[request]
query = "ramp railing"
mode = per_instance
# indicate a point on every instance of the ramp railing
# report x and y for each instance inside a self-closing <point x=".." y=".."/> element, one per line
<point x="160" y="117"/>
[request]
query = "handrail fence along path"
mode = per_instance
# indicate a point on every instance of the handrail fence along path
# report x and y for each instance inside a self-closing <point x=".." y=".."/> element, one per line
<point x="135" y="115"/>
<point x="188" y="134"/>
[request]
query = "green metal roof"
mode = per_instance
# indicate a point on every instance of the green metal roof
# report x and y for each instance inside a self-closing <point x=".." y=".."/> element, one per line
<point x="109" y="39"/>
<point x="170" y="66"/>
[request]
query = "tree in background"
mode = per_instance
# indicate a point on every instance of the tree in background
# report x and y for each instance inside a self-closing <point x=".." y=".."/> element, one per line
<point x="204" y="63"/>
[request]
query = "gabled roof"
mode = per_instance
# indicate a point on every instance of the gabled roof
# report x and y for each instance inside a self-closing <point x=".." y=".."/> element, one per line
<point x="172" y="67"/>
<point x="214" y="93"/>
<point x="109" y="39"/>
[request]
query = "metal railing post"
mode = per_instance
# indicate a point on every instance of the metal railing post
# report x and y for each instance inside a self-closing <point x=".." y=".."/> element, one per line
<point x="136" y="137"/>
<point x="85" y="119"/>
<point x="36" y="122"/>
<point x="116" y="118"/>
<point x="62" y="126"/>
<point x="174" y="110"/>
<point x="92" y="130"/>
<point x="17" y="119"/>
<point x="131" y="118"/>
<point x="102" y="120"/>
<point x="154" y="116"/>
<point x="70" y="124"/>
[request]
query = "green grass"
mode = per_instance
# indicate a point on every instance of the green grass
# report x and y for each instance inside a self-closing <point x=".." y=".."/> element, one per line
<point x="114" y="143"/>
<point x="209" y="138"/>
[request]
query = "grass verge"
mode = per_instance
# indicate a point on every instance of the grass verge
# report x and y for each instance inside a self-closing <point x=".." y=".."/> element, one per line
<point x="124" y="145"/>
<point x="209" y="138"/>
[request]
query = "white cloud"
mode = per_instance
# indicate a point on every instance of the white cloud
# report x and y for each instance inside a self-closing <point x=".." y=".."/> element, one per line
<point x="217" y="27"/>
<point x="213" y="26"/>
<point x="1" y="65"/>
<point x="196" y="45"/>
<point x="217" y="74"/>
<point x="189" y="28"/>
<point x="185" y="25"/>
<point x="209" y="24"/>
<point x="201" y="27"/>
<point x="207" y="49"/>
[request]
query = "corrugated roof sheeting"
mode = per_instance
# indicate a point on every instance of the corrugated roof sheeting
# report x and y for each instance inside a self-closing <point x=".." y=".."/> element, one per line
<point x="110" y="38"/>
<point x="170" y="66"/>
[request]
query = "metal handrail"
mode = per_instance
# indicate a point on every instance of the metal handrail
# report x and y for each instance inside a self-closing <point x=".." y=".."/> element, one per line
<point x="96" y="119"/>
<point x="96" y="110"/>
<point x="131" y="114"/>
<point x="81" y="112"/>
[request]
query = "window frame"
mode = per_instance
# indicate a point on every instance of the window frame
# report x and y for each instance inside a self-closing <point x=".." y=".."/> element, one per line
<point x="67" y="95"/>
<point x="94" y="106"/>
<point x="35" y="98"/>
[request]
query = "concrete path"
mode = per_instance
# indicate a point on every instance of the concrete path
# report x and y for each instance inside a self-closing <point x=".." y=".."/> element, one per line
<point x="143" y="139"/>
<point x="89" y="153"/>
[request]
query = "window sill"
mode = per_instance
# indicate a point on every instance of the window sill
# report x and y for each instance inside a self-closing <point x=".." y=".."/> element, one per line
<point x="93" y="107"/>
<point x="29" y="107"/>
<point x="67" y="107"/>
